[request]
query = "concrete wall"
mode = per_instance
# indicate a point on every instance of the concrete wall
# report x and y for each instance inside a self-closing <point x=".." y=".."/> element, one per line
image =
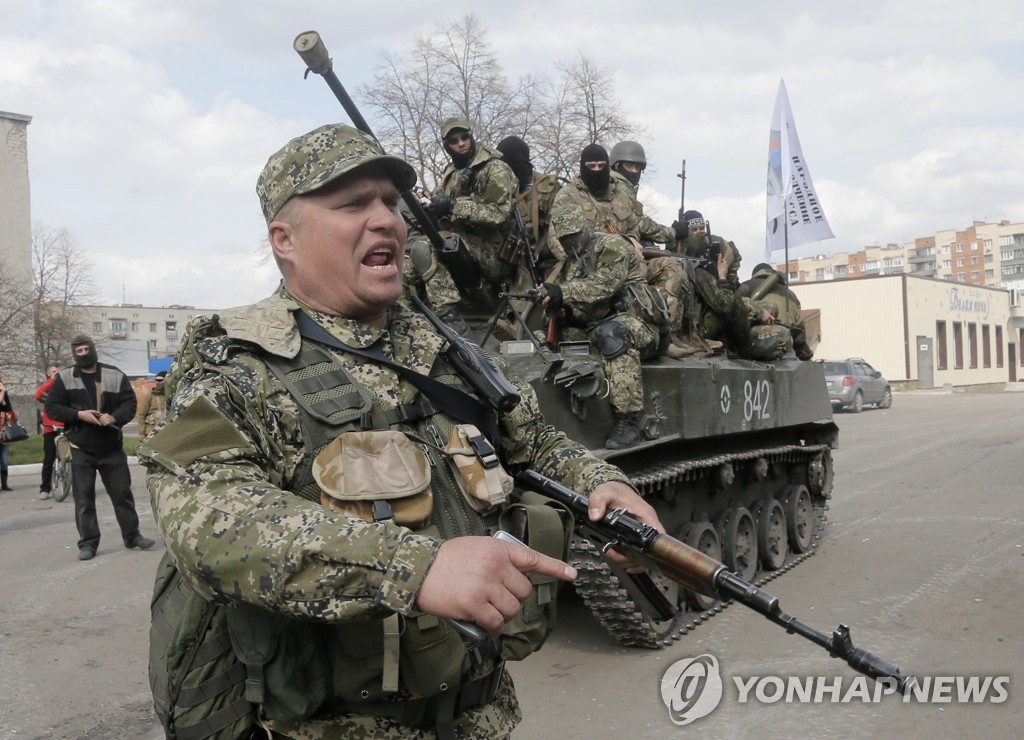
<point x="880" y="319"/>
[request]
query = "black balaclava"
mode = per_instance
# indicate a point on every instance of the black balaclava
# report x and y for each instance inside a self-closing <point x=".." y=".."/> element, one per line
<point x="596" y="181"/>
<point x="516" y="154"/>
<point x="90" y="358"/>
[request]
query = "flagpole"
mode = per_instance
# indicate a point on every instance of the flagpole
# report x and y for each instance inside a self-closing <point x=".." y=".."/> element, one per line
<point x="785" y="242"/>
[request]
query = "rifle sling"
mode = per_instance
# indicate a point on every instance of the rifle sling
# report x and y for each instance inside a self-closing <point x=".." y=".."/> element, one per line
<point x="451" y="401"/>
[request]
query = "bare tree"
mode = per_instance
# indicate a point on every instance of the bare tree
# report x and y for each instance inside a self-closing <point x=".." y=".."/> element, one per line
<point x="455" y="72"/>
<point x="15" y="314"/>
<point x="61" y="279"/>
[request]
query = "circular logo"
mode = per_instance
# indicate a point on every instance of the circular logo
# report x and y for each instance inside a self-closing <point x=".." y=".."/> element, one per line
<point x="726" y="399"/>
<point x="691" y="688"/>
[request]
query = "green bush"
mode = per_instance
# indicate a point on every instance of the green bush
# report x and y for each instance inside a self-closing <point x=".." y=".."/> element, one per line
<point x="31" y="450"/>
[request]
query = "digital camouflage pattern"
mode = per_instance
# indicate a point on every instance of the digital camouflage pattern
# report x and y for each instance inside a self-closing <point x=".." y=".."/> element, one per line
<point x="593" y="295"/>
<point x="536" y="204"/>
<point x="220" y="467"/>
<point x="314" y="159"/>
<point x="442" y="294"/>
<point x="696" y="244"/>
<point x="485" y="193"/>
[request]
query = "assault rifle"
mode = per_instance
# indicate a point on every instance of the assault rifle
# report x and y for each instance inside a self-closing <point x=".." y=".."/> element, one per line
<point x="695" y="570"/>
<point x="536" y="296"/>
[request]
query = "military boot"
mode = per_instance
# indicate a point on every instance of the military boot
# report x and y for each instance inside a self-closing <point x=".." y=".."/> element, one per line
<point x="625" y="432"/>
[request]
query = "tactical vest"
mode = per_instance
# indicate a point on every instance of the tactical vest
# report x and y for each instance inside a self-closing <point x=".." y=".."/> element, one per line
<point x="211" y="666"/>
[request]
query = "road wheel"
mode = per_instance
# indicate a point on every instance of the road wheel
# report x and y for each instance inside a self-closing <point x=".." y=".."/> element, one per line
<point x="702" y="536"/>
<point x="771" y="533"/>
<point x="886" y="401"/>
<point x="857" y="404"/>
<point x="739" y="542"/>
<point x="799" y="517"/>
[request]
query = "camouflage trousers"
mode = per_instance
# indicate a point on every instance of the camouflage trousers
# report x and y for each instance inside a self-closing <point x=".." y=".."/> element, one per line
<point x="485" y="254"/>
<point x="767" y="342"/>
<point x="668" y="275"/>
<point x="625" y="381"/>
<point x="441" y="293"/>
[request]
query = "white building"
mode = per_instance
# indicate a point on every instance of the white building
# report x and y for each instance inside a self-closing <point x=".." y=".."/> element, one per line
<point x="920" y="332"/>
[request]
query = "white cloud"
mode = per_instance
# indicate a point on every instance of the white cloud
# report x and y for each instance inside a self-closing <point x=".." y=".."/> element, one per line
<point x="152" y="120"/>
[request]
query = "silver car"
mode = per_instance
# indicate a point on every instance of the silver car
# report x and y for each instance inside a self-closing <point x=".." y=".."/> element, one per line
<point x="853" y="383"/>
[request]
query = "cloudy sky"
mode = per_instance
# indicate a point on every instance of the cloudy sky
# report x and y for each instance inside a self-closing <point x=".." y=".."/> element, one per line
<point x="151" y="120"/>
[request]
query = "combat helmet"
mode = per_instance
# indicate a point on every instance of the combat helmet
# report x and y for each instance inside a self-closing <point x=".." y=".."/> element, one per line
<point x="628" y="151"/>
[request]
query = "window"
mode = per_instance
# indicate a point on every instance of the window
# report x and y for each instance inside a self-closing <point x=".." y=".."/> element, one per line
<point x="136" y="326"/>
<point x="986" y="346"/>
<point x="117" y="325"/>
<point x="871" y="265"/>
<point x="999" y="346"/>
<point x="962" y="277"/>
<point x="945" y="249"/>
<point x="152" y="327"/>
<point x="974" y="246"/>
<point x="974" y="260"/>
<point x="989" y="259"/>
<point x="960" y="262"/>
<point x="840" y="269"/>
<point x="958" y="344"/>
<point x="97" y="326"/>
<point x="974" y="276"/>
<point x="940" y="345"/>
<point x="972" y="344"/>
<point x="959" y="247"/>
<point x="171" y="327"/>
<point x="989" y="274"/>
<point x="152" y="344"/>
<point x="947" y="264"/>
<point x="988" y="246"/>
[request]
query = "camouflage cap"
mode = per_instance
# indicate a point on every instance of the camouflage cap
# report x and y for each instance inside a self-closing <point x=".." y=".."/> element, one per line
<point x="308" y="162"/>
<point x="567" y="219"/>
<point x="455" y="122"/>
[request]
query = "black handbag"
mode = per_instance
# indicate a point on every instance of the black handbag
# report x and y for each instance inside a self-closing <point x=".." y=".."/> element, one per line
<point x="13" y="432"/>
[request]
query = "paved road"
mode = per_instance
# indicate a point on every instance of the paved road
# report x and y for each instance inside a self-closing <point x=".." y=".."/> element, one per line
<point x="923" y="558"/>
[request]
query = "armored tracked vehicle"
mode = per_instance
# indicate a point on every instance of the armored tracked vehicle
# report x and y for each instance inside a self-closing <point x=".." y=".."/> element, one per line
<point x="736" y="460"/>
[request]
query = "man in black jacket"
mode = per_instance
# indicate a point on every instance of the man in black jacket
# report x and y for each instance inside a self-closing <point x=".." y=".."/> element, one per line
<point x="94" y="400"/>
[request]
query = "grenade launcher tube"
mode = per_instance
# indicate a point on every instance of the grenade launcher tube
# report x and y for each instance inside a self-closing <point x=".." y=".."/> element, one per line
<point x="311" y="48"/>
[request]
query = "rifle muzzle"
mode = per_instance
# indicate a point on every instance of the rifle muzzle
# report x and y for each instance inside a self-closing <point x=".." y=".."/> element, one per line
<point x="311" y="48"/>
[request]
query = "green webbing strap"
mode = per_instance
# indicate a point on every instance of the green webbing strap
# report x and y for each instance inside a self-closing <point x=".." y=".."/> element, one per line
<point x="452" y="401"/>
<point x="216" y="722"/>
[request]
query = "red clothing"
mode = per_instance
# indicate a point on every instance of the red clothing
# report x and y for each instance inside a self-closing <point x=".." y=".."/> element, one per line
<point x="49" y="425"/>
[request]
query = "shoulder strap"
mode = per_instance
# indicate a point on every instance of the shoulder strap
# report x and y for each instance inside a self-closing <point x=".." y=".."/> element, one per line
<point x="452" y="401"/>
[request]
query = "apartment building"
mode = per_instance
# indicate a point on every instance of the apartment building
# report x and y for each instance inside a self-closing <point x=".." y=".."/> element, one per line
<point x="160" y="328"/>
<point x="984" y="254"/>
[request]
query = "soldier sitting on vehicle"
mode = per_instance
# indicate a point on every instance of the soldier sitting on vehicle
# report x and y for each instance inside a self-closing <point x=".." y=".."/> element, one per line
<point x="606" y="297"/>
<point x="769" y="285"/>
<point x="698" y="239"/>
<point x="747" y="328"/>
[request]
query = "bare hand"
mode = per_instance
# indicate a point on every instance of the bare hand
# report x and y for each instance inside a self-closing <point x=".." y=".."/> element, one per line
<point x="89" y="416"/>
<point x="480" y="579"/>
<point x="106" y="420"/>
<point x="766" y="317"/>
<point x="616" y="495"/>
<point x="723" y="267"/>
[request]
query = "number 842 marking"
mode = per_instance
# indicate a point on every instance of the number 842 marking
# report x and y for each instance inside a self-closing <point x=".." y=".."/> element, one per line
<point x="756" y="400"/>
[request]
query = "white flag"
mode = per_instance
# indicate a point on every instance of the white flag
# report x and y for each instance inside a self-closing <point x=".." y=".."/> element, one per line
<point x="791" y="196"/>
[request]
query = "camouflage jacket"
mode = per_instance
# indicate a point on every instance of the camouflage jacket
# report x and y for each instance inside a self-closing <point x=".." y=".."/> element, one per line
<point x="221" y="462"/>
<point x="485" y="193"/>
<point x="721" y="313"/>
<point x="787" y="305"/>
<point x="696" y="244"/>
<point x="616" y="211"/>
<point x="535" y="206"/>
<point x="598" y="286"/>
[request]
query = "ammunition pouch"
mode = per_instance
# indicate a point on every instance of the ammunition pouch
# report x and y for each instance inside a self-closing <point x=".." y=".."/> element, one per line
<point x="512" y="248"/>
<point x="645" y="303"/>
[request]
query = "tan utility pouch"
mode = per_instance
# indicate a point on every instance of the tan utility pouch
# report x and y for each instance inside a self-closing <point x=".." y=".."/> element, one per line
<point x="63" y="445"/>
<point x="375" y="476"/>
<point x="482" y="480"/>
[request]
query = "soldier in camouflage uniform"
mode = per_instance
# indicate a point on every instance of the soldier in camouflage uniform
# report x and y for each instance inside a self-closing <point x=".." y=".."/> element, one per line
<point x="785" y="302"/>
<point x="607" y="296"/>
<point x="536" y="198"/>
<point x="477" y="194"/>
<point x="338" y="626"/>
<point x="697" y="240"/>
<point x="608" y="201"/>
<point x="747" y="329"/>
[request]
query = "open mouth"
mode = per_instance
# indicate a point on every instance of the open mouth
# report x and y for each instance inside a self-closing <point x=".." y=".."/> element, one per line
<point x="381" y="258"/>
